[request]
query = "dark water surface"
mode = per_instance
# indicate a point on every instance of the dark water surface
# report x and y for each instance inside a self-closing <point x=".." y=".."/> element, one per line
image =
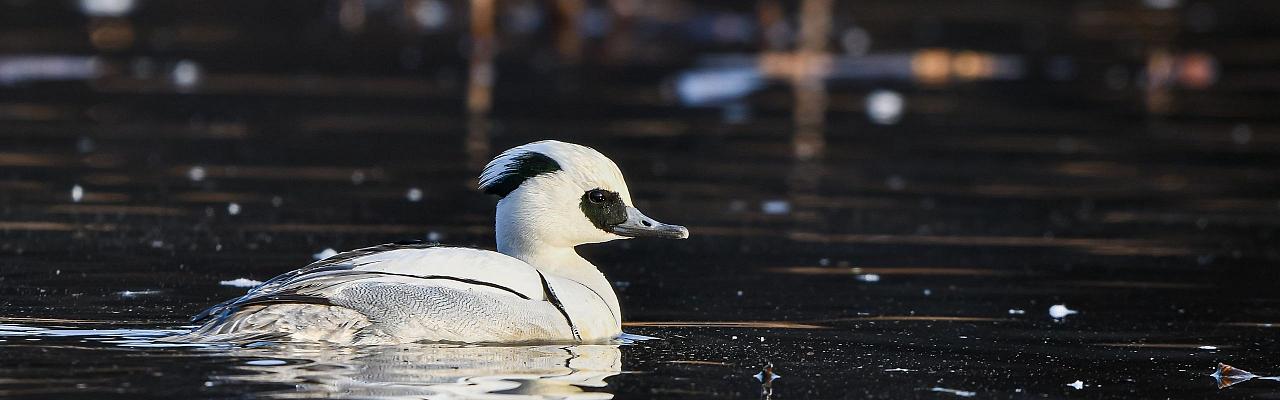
<point x="919" y="259"/>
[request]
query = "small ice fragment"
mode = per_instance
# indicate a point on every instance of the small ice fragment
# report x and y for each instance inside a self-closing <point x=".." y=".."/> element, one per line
<point x="1019" y="311"/>
<point x="326" y="253"/>
<point x="869" y="277"/>
<point x="77" y="193"/>
<point x="414" y="195"/>
<point x="240" y="282"/>
<point x="186" y="74"/>
<point x="132" y="293"/>
<point x="233" y="208"/>
<point x="957" y="392"/>
<point x="1059" y="311"/>
<point x="884" y="107"/>
<point x="775" y="207"/>
<point x="196" y="173"/>
<point x="266" y="362"/>
<point x="1078" y="384"/>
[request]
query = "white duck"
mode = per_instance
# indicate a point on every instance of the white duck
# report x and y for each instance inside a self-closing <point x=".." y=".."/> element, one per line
<point x="535" y="288"/>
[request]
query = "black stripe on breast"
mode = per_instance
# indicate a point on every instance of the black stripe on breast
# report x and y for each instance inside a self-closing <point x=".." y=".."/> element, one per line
<point x="555" y="301"/>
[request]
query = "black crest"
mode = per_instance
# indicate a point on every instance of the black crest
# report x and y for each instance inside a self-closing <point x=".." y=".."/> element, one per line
<point x="519" y="169"/>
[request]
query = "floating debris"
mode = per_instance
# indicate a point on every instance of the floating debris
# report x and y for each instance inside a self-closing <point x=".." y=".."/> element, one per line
<point x="1227" y="375"/>
<point x="1059" y="311"/>
<point x="326" y="253"/>
<point x="240" y="282"/>
<point x="1078" y="384"/>
<point x="766" y="378"/>
<point x="957" y="392"/>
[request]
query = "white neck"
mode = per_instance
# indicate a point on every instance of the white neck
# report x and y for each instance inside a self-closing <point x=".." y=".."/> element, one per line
<point x="558" y="260"/>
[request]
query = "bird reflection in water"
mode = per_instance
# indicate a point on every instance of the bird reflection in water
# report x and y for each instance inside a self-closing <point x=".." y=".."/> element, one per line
<point x="435" y="370"/>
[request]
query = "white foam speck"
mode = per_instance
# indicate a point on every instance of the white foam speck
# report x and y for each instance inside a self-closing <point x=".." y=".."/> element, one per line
<point x="186" y="74"/>
<point x="240" y="282"/>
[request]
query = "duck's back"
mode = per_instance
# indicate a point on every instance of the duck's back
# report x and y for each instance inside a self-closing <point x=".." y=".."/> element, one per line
<point x="395" y="293"/>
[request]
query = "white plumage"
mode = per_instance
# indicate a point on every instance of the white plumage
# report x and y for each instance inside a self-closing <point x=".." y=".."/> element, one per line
<point x="536" y="288"/>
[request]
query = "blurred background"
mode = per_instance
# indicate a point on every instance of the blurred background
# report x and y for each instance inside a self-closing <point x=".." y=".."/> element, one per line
<point x="890" y="185"/>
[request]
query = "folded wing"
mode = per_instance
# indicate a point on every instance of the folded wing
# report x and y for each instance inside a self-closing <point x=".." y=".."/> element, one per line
<point x="404" y="262"/>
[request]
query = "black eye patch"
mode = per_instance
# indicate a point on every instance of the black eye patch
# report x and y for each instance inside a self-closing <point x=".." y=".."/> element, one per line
<point x="603" y="208"/>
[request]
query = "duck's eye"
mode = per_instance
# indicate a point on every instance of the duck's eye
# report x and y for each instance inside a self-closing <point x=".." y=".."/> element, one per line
<point x="597" y="196"/>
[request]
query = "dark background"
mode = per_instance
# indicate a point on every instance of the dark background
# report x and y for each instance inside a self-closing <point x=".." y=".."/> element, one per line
<point x="871" y="186"/>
